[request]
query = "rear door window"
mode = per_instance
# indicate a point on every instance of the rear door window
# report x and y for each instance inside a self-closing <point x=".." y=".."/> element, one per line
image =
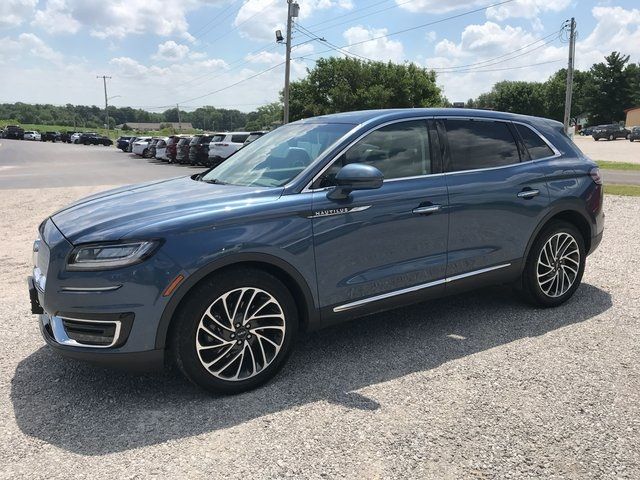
<point x="536" y="146"/>
<point x="475" y="144"/>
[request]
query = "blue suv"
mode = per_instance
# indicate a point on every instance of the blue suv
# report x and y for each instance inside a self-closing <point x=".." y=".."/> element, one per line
<point x="317" y="222"/>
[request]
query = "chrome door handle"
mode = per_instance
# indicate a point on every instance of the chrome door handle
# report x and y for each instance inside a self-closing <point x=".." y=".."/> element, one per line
<point x="427" y="209"/>
<point x="528" y="193"/>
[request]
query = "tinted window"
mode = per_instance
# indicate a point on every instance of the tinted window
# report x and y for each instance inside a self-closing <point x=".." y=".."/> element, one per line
<point x="398" y="150"/>
<point x="239" y="138"/>
<point x="195" y="140"/>
<point x="536" y="146"/>
<point x="217" y="138"/>
<point x="480" y="144"/>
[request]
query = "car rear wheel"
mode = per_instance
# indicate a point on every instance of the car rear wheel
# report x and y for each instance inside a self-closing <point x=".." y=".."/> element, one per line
<point x="555" y="265"/>
<point x="235" y="331"/>
<point x="610" y="137"/>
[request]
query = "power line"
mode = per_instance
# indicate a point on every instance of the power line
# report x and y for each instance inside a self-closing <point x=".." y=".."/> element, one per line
<point x="428" y="24"/>
<point x="396" y="5"/>
<point x="215" y="17"/>
<point x="308" y="33"/>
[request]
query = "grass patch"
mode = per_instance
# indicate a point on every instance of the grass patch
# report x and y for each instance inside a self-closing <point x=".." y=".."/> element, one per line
<point x="618" y="165"/>
<point x="626" y="190"/>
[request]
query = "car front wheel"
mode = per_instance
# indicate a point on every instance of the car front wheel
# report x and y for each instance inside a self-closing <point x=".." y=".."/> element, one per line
<point x="235" y="331"/>
<point x="555" y="265"/>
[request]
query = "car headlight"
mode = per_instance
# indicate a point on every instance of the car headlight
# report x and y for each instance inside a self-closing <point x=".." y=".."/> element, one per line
<point x="107" y="256"/>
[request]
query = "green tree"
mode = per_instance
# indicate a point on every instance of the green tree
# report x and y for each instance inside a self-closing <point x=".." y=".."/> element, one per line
<point x="609" y="93"/>
<point x="517" y="97"/>
<point x="264" y="117"/>
<point x="345" y="84"/>
<point x="555" y="91"/>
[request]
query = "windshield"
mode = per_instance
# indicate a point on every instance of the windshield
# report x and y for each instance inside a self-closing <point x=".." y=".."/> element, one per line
<point x="278" y="157"/>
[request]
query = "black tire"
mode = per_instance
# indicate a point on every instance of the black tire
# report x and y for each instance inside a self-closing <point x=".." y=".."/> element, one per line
<point x="199" y="300"/>
<point x="531" y="288"/>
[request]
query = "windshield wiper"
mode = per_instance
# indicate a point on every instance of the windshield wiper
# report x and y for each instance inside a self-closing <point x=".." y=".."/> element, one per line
<point x="214" y="181"/>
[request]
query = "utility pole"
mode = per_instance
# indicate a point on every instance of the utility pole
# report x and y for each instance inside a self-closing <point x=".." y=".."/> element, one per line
<point x="106" y="100"/>
<point x="569" y="90"/>
<point x="292" y="11"/>
<point x="179" y="122"/>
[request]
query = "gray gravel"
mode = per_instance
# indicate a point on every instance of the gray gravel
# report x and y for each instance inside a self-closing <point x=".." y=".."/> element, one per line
<point x="478" y="385"/>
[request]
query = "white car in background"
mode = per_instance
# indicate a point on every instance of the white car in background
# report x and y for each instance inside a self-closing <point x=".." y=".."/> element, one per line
<point x="140" y="145"/>
<point x="32" y="135"/>
<point x="161" y="149"/>
<point x="75" y="138"/>
<point x="224" y="144"/>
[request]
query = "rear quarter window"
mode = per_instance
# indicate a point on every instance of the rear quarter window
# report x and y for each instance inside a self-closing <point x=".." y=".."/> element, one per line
<point x="536" y="146"/>
<point x="238" y="138"/>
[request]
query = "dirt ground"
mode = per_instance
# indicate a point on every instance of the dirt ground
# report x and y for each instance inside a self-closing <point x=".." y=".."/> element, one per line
<point x="614" y="151"/>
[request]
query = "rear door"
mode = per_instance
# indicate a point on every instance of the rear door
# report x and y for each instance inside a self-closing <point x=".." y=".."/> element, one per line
<point x="497" y="196"/>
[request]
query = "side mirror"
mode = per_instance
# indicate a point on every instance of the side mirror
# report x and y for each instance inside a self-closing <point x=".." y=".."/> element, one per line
<point x="355" y="176"/>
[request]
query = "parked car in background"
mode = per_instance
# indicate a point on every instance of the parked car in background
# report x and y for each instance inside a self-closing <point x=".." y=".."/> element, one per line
<point x="171" y="150"/>
<point x="587" y="131"/>
<point x="301" y="229"/>
<point x="222" y="149"/>
<point x="151" y="148"/>
<point x="123" y="143"/>
<point x="51" y="137"/>
<point x="66" y="137"/>
<point x="610" y="132"/>
<point x="94" y="139"/>
<point x="132" y="140"/>
<point x="182" y="150"/>
<point x="140" y="145"/>
<point x="14" y="132"/>
<point x="635" y="134"/>
<point x="253" y="136"/>
<point x="161" y="149"/>
<point x="75" y="138"/>
<point x="199" y="149"/>
<point x="31" y="135"/>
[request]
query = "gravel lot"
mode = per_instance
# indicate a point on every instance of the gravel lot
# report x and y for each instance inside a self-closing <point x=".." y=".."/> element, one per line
<point x="615" y="151"/>
<point x="474" y="386"/>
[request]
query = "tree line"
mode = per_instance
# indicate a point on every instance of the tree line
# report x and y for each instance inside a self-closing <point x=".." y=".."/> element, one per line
<point x="601" y="94"/>
<point x="344" y="84"/>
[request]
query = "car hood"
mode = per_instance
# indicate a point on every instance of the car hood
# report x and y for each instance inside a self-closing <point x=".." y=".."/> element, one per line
<point x="155" y="208"/>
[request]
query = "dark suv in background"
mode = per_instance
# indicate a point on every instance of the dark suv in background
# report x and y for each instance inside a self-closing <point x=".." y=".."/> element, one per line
<point x="609" y="132"/>
<point x="182" y="150"/>
<point x="199" y="149"/>
<point x="635" y="134"/>
<point x="13" y="131"/>
<point x="320" y="221"/>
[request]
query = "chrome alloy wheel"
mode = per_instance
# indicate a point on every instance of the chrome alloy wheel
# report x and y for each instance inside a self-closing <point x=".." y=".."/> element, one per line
<point x="558" y="264"/>
<point x="240" y="334"/>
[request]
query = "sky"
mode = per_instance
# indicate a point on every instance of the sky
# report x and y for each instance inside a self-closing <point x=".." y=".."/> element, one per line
<point x="160" y="53"/>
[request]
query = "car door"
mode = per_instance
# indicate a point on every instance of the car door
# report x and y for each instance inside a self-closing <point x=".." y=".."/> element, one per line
<point x="497" y="197"/>
<point x="378" y="245"/>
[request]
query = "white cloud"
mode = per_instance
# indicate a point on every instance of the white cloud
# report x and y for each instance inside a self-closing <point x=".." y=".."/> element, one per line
<point x="481" y="54"/>
<point x="27" y="44"/>
<point x="380" y="49"/>
<point x="128" y="67"/>
<point x="55" y="19"/>
<point x="272" y="15"/>
<point x="171" y="51"/>
<point x="14" y="12"/>
<point x="616" y="29"/>
<point x="119" y="18"/>
<point x="518" y="8"/>
<point x="526" y="9"/>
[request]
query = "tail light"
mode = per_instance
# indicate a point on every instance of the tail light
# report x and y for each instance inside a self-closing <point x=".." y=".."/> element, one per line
<point x="595" y="175"/>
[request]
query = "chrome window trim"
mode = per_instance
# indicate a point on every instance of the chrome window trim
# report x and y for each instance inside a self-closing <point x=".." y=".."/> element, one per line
<point x="556" y="152"/>
<point x="415" y="288"/>
<point x="535" y="130"/>
<point x="60" y="334"/>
